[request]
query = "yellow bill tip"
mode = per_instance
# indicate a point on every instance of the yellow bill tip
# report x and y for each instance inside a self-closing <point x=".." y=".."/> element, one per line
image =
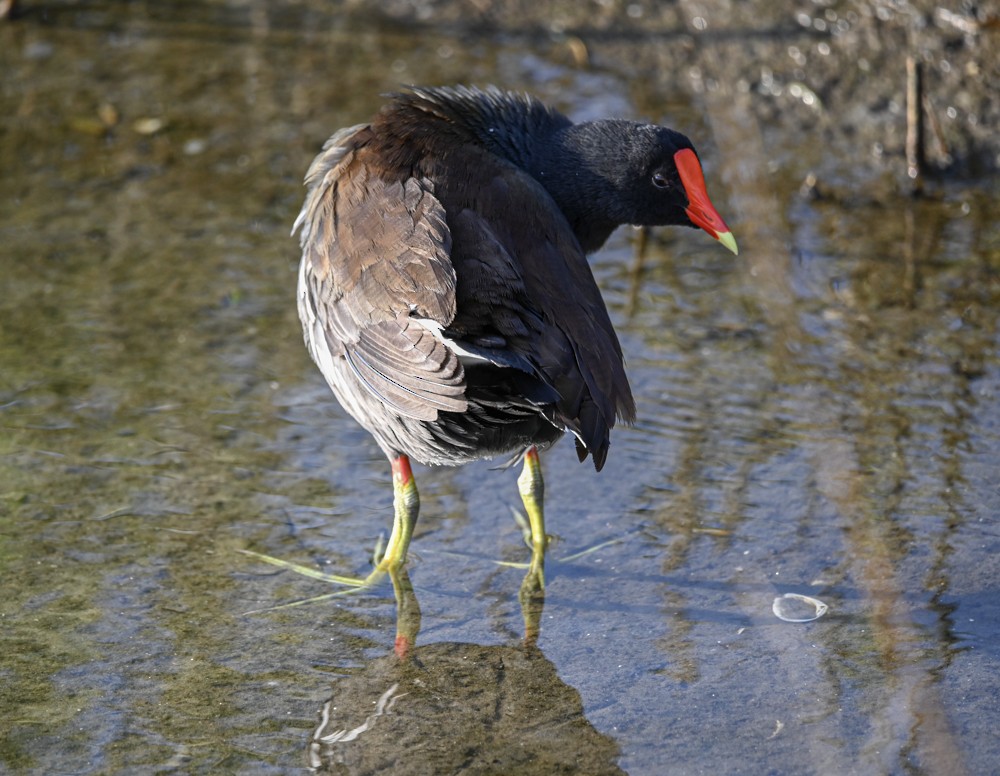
<point x="727" y="239"/>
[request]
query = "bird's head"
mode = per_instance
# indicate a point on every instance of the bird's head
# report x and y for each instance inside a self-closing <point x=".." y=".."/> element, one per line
<point x="623" y="172"/>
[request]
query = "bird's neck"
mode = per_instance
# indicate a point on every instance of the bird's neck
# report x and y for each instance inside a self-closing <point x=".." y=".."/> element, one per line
<point x="553" y="150"/>
<point x="563" y="163"/>
<point x="560" y="155"/>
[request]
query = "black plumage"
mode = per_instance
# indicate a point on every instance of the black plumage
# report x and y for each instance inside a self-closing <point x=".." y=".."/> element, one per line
<point x="444" y="288"/>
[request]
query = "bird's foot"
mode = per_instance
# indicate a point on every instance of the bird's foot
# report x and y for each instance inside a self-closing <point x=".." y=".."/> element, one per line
<point x="525" y="525"/>
<point x="353" y="584"/>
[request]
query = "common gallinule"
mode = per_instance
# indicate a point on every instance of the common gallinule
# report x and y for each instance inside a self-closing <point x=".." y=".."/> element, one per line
<point x="444" y="289"/>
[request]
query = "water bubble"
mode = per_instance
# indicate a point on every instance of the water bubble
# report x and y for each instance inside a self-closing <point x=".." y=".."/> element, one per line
<point x="793" y="607"/>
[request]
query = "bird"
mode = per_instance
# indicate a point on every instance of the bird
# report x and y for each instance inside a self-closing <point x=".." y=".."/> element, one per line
<point x="444" y="289"/>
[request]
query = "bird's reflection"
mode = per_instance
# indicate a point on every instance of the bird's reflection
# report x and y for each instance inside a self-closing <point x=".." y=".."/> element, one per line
<point x="454" y="707"/>
<point x="531" y="597"/>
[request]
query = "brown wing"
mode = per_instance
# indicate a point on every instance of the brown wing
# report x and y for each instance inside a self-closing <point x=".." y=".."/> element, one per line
<point x="375" y="279"/>
<point x="523" y="275"/>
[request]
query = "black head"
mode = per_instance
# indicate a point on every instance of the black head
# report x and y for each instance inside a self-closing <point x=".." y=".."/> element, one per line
<point x="603" y="174"/>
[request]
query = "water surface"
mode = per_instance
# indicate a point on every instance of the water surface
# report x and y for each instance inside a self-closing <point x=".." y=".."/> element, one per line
<point x="818" y="416"/>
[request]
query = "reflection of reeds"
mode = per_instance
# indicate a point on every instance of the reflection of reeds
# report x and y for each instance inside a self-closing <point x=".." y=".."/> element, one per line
<point x="915" y="157"/>
<point x="912" y="711"/>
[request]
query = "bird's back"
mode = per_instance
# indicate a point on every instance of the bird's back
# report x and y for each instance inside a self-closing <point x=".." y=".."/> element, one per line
<point x="481" y="261"/>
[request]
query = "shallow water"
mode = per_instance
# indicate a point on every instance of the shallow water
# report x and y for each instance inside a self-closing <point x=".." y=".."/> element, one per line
<point x="818" y="416"/>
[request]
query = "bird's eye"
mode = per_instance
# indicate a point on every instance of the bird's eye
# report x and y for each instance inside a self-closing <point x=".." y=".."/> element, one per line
<point x="660" y="180"/>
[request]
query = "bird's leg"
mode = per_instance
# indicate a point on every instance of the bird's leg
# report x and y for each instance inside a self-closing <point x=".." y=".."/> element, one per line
<point x="406" y="506"/>
<point x="532" y="490"/>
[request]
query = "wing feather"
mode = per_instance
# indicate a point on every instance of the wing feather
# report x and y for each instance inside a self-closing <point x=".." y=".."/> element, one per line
<point x="376" y="268"/>
<point x="522" y="270"/>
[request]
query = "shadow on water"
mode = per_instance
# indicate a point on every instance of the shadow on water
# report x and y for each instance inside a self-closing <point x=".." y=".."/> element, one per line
<point x="504" y="709"/>
<point x="818" y="416"/>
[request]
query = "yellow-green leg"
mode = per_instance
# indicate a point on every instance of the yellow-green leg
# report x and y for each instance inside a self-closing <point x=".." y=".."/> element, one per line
<point x="390" y="560"/>
<point x="406" y="507"/>
<point x="532" y="490"/>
